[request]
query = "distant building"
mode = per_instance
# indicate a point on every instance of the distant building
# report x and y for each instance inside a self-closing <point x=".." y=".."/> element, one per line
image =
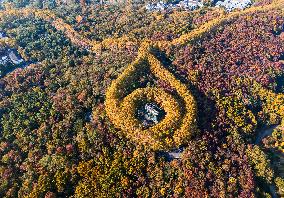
<point x="14" y="58"/>
<point x="4" y="60"/>
<point x="230" y="5"/>
<point x="190" y="4"/>
<point x="186" y="4"/>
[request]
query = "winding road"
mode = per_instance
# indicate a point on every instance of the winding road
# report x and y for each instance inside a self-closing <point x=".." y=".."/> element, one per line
<point x="264" y="132"/>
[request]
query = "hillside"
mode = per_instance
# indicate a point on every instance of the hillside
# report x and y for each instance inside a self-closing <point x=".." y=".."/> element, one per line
<point x="114" y="100"/>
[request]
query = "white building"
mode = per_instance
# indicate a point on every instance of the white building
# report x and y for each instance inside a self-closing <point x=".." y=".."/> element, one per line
<point x="234" y="4"/>
<point x="186" y="4"/>
<point x="16" y="60"/>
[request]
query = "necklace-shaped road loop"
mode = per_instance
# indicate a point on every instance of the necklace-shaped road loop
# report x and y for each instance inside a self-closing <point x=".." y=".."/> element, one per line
<point x="121" y="104"/>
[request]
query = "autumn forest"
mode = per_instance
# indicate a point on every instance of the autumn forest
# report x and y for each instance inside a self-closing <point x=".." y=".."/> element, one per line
<point x="112" y="99"/>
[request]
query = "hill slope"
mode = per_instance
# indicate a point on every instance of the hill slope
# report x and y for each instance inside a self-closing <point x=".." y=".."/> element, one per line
<point x="70" y="122"/>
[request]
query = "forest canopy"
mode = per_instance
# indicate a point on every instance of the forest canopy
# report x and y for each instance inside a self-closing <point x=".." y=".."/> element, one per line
<point x="109" y="99"/>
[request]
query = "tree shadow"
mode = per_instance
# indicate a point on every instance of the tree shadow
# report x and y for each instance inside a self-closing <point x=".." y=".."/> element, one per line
<point x="206" y="107"/>
<point x="280" y="84"/>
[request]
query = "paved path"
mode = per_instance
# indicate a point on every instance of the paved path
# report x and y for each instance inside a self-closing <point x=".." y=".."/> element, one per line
<point x="264" y="132"/>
